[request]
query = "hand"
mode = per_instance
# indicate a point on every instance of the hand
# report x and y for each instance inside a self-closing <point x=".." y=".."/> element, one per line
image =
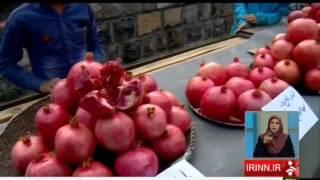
<point x="47" y="86"/>
<point x="242" y="26"/>
<point x="267" y="139"/>
<point x="251" y="18"/>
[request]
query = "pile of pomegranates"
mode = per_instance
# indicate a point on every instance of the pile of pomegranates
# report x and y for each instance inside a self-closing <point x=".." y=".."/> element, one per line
<point x="223" y="94"/>
<point x="101" y="107"/>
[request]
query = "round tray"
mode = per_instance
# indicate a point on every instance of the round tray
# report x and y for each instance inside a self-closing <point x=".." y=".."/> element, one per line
<point x="233" y="121"/>
<point x="24" y="121"/>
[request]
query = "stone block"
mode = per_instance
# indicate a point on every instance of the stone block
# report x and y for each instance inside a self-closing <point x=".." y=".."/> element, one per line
<point x="149" y="6"/>
<point x="165" y="5"/>
<point x="172" y="17"/>
<point x="132" y="51"/>
<point x="175" y="38"/>
<point x="204" y="10"/>
<point x="193" y="34"/>
<point x="124" y="28"/>
<point x="190" y="14"/>
<point x="149" y="22"/>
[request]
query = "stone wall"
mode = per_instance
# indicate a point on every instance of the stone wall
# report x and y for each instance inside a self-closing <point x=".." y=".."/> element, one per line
<point x="141" y="31"/>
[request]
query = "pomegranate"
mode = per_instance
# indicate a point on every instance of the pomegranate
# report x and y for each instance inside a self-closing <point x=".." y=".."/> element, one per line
<point x="266" y="49"/>
<point x="307" y="54"/>
<point x="295" y="15"/>
<point x="274" y="86"/>
<point x="159" y="98"/>
<point x="49" y="119"/>
<point x="141" y="161"/>
<point x="74" y="143"/>
<point x="213" y="71"/>
<point x="93" y="169"/>
<point x="239" y="85"/>
<point x="130" y="95"/>
<point x="86" y="118"/>
<point x="24" y="151"/>
<point x="306" y="11"/>
<point x="312" y="79"/>
<point x="288" y="71"/>
<point x="150" y="121"/>
<point x="83" y="76"/>
<point x="218" y="102"/>
<point x="171" y="145"/>
<point x="47" y="165"/>
<point x="96" y="102"/>
<point x="180" y="118"/>
<point x="252" y="100"/>
<point x="282" y="49"/>
<point x="112" y="75"/>
<point x="115" y="133"/>
<point x="237" y="69"/>
<point x="279" y="36"/>
<point x="259" y="74"/>
<point x="195" y="89"/>
<point x="174" y="100"/>
<point x="314" y="12"/>
<point x="148" y="83"/>
<point x="302" y="29"/>
<point x="263" y="59"/>
<point x="62" y="96"/>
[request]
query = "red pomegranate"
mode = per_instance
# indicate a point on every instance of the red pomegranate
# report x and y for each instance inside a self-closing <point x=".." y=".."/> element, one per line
<point x="92" y="169"/>
<point x="279" y="36"/>
<point x="74" y="143"/>
<point x="150" y="121"/>
<point x="274" y="86"/>
<point x="239" y="85"/>
<point x="130" y="95"/>
<point x="86" y="118"/>
<point x="252" y="100"/>
<point x="288" y="71"/>
<point x="195" y="89"/>
<point x="213" y="71"/>
<point x="174" y="100"/>
<point x="263" y="59"/>
<point x="266" y="49"/>
<point x="307" y="54"/>
<point x="49" y="119"/>
<point x="148" y="83"/>
<point x="259" y="74"/>
<point x="314" y="12"/>
<point x="302" y="29"/>
<point x="62" y="96"/>
<point x="312" y="79"/>
<point x="97" y="103"/>
<point x="115" y="133"/>
<point x="282" y="49"/>
<point x="141" y="161"/>
<point x="218" y="103"/>
<point x="83" y="76"/>
<point x="160" y="99"/>
<point x="237" y="69"/>
<point x="171" y="145"/>
<point x="180" y="118"/>
<point x="306" y="11"/>
<point x="24" y="151"/>
<point x="47" y="165"/>
<point x="295" y="15"/>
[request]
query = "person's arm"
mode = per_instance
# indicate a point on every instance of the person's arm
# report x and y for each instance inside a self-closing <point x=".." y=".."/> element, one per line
<point x="11" y="53"/>
<point x="239" y="12"/>
<point x="94" y="39"/>
<point x="260" y="149"/>
<point x="264" y="18"/>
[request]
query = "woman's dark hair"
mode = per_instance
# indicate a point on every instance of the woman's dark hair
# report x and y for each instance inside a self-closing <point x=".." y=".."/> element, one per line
<point x="278" y="118"/>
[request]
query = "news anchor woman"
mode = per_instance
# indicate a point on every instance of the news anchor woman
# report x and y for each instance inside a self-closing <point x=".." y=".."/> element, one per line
<point x="274" y="142"/>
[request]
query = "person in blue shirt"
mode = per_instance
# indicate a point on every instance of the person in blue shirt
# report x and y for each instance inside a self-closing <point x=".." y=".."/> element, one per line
<point x="55" y="35"/>
<point x="251" y="14"/>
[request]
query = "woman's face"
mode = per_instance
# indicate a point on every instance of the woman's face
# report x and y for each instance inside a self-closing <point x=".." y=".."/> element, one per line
<point x="274" y="125"/>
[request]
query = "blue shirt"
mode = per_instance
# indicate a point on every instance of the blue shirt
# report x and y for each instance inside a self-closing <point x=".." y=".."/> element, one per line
<point x="54" y="42"/>
<point x="266" y="13"/>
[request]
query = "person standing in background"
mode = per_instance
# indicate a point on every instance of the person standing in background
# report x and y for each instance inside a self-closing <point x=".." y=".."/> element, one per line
<point x="255" y="14"/>
<point x="55" y="35"/>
